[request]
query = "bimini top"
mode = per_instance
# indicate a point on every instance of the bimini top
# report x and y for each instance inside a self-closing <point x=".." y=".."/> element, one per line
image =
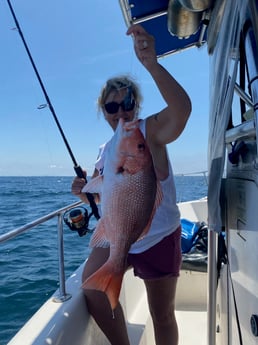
<point x="175" y="24"/>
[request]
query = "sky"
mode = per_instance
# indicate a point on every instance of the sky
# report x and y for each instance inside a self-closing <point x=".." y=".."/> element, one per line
<point x="77" y="45"/>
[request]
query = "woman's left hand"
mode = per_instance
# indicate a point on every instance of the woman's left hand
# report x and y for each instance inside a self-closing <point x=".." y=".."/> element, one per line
<point x="144" y="45"/>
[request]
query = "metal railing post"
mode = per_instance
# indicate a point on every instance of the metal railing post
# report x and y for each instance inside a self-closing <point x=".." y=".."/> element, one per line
<point x="212" y="285"/>
<point x="63" y="296"/>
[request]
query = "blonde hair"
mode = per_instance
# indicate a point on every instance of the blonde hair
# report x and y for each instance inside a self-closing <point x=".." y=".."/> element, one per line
<point x="118" y="83"/>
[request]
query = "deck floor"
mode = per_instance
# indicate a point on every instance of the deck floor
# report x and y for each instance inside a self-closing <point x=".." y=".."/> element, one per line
<point x="192" y="327"/>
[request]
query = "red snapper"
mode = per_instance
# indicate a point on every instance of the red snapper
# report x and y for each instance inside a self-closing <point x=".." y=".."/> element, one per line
<point x="130" y="194"/>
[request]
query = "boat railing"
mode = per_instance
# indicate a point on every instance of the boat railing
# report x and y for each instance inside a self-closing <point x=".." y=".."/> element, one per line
<point x="182" y="186"/>
<point x="203" y="173"/>
<point x="63" y="296"/>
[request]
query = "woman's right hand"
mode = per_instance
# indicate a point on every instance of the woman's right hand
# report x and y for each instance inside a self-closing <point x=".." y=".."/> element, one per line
<point x="77" y="185"/>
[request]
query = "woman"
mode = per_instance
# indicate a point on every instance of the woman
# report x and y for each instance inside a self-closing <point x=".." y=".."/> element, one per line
<point x="157" y="257"/>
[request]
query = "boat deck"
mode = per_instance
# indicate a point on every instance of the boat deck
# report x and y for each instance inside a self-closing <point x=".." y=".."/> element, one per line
<point x="191" y="309"/>
<point x="192" y="327"/>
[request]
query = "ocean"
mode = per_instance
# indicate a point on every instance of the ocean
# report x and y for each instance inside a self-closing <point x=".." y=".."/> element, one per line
<point x="29" y="262"/>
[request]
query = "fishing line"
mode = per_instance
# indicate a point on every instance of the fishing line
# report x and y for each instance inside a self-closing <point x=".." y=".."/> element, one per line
<point x="77" y="168"/>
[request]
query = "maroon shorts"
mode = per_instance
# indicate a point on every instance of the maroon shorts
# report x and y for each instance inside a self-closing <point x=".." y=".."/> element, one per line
<point x="161" y="260"/>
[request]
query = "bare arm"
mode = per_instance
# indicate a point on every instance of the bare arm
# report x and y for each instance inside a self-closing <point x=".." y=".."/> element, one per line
<point x="168" y="124"/>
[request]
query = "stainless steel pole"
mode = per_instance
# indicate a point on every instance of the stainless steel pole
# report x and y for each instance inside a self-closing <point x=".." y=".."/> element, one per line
<point x="212" y="286"/>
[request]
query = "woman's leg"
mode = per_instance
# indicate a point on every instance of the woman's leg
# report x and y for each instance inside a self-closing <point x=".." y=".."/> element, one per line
<point x="161" y="298"/>
<point x="112" y="324"/>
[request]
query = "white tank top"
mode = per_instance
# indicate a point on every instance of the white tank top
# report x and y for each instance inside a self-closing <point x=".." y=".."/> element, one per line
<point x="167" y="217"/>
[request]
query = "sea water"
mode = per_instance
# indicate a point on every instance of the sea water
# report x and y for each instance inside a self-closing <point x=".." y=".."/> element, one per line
<point x="29" y="262"/>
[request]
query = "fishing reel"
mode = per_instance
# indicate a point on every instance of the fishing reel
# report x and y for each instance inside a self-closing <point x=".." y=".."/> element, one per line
<point x="77" y="219"/>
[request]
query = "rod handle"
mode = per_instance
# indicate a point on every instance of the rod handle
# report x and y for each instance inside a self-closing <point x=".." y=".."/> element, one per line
<point x="79" y="172"/>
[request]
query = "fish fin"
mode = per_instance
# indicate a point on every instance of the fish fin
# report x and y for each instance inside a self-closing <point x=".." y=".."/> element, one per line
<point x="159" y="196"/>
<point x="146" y="229"/>
<point x="158" y="199"/>
<point x="98" y="239"/>
<point x="108" y="282"/>
<point x="94" y="185"/>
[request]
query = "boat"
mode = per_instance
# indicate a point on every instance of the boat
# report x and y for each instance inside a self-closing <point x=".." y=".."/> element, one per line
<point x="218" y="305"/>
<point x="63" y="318"/>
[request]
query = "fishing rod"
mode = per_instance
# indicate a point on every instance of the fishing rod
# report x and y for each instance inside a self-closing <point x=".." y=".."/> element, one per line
<point x="78" y="170"/>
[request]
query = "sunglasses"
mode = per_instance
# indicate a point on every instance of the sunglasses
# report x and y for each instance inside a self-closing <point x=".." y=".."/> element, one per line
<point x="112" y="107"/>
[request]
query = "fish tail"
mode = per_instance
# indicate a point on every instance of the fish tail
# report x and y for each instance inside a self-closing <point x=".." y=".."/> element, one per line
<point x="107" y="281"/>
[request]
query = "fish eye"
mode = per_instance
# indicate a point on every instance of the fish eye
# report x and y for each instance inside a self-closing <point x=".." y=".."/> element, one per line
<point x="120" y="170"/>
<point x="141" y="147"/>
